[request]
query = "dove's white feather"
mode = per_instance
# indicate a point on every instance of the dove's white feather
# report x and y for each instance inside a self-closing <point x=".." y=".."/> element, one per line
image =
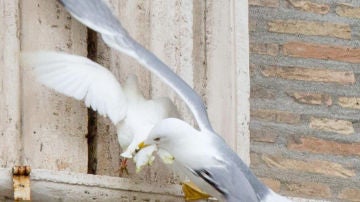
<point x="144" y="157"/>
<point x="141" y="117"/>
<point x="80" y="78"/>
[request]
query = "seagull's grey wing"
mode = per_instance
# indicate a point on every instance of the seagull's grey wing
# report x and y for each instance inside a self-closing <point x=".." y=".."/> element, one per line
<point x="96" y="15"/>
<point x="228" y="180"/>
<point x="240" y="172"/>
<point x="80" y="78"/>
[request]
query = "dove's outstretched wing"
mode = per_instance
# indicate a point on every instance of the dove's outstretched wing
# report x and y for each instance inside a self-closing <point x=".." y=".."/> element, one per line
<point x="80" y="78"/>
<point x="96" y="15"/>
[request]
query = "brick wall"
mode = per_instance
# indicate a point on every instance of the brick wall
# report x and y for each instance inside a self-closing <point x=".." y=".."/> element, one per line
<point x="305" y="97"/>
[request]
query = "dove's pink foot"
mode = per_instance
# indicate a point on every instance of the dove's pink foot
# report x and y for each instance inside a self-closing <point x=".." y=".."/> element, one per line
<point x="123" y="167"/>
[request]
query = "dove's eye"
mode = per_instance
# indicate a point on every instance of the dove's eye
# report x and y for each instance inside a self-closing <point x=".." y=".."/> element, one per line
<point x="157" y="139"/>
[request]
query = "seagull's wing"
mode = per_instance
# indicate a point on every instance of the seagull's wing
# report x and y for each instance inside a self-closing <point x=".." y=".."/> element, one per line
<point x="80" y="78"/>
<point x="227" y="179"/>
<point x="96" y="15"/>
<point x="243" y="184"/>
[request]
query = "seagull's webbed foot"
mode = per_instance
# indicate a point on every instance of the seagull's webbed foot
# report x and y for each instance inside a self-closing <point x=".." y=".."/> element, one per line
<point x="192" y="192"/>
<point x="123" y="167"/>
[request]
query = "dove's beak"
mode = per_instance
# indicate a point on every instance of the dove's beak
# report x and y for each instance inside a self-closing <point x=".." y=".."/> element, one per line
<point x="142" y="145"/>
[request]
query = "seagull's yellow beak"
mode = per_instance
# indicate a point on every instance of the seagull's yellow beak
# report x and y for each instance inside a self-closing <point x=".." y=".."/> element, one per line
<point x="142" y="145"/>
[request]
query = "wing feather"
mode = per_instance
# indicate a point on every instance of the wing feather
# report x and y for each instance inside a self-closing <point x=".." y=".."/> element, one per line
<point x="80" y="78"/>
<point x="228" y="180"/>
<point x="97" y="15"/>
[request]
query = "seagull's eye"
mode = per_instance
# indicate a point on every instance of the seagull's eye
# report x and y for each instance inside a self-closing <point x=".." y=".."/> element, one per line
<point x="157" y="139"/>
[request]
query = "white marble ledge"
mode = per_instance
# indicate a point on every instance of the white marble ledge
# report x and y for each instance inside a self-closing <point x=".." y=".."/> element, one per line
<point x="49" y="185"/>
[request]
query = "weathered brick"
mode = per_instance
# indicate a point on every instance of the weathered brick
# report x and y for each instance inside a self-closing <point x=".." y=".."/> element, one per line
<point x="272" y="183"/>
<point x="255" y="159"/>
<point x="309" y="6"/>
<point x="252" y="25"/>
<point x="261" y="92"/>
<point x="320" y="146"/>
<point x="263" y="136"/>
<point x="311" y="98"/>
<point x="252" y="68"/>
<point x="308" y="189"/>
<point x="266" y="3"/>
<point x="309" y="74"/>
<point x="320" y="51"/>
<point x="332" y="125"/>
<point x="264" y="48"/>
<point x="349" y="102"/>
<point x="310" y="166"/>
<point x="350" y="194"/>
<point x="348" y="11"/>
<point x="342" y="31"/>
<point x="275" y="116"/>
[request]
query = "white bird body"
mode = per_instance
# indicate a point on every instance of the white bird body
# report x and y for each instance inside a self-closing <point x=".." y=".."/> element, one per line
<point x="141" y="117"/>
<point x="206" y="158"/>
<point x="210" y="163"/>
<point x="82" y="79"/>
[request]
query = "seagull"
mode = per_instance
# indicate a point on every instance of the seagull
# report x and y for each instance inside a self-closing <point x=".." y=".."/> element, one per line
<point x="227" y="176"/>
<point x="209" y="162"/>
<point x="80" y="78"/>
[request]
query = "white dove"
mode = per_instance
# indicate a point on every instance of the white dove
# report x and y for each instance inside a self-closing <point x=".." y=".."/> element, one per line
<point x="83" y="79"/>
